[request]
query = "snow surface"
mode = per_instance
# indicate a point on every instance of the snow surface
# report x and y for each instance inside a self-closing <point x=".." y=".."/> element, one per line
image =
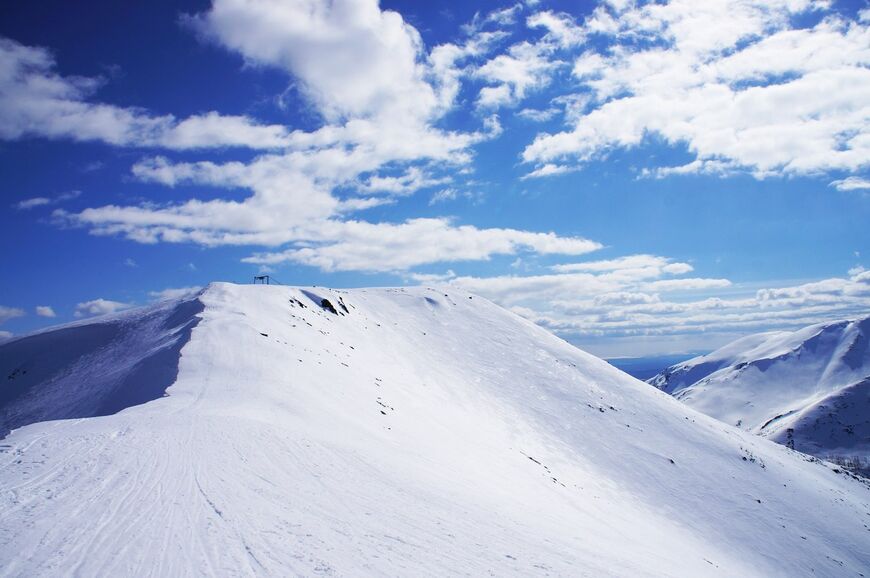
<point x="413" y="432"/>
<point x="809" y="389"/>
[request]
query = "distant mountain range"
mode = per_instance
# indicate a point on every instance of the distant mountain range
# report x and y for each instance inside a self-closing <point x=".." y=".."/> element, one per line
<point x="807" y="389"/>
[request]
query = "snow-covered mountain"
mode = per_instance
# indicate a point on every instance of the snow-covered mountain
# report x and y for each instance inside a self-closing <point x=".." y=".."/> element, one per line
<point x="808" y="389"/>
<point x="262" y="430"/>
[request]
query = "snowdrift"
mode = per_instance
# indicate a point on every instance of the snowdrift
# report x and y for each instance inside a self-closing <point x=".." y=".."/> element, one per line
<point x="414" y="432"/>
<point x="808" y="389"/>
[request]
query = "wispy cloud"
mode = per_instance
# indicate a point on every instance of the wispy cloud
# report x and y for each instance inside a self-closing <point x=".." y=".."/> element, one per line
<point x="100" y="307"/>
<point x="7" y="313"/>
<point x="361" y="246"/>
<point x="852" y="184"/>
<point x="174" y="293"/>
<point x="33" y="202"/>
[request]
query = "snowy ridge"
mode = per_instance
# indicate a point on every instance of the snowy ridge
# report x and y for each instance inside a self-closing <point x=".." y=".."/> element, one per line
<point x="406" y="432"/>
<point x="94" y="367"/>
<point x="807" y="389"/>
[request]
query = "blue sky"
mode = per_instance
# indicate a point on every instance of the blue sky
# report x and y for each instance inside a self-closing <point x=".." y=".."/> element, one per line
<point x="641" y="178"/>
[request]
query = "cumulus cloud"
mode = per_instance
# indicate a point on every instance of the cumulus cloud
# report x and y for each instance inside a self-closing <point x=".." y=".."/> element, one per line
<point x="740" y="85"/>
<point x="35" y="101"/>
<point x="526" y="67"/>
<point x="380" y="95"/>
<point x="45" y="311"/>
<point x="100" y="307"/>
<point x="352" y="59"/>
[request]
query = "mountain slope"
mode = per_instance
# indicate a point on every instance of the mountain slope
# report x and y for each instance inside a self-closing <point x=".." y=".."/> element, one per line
<point x="409" y="432"/>
<point x="808" y="388"/>
<point x="96" y="367"/>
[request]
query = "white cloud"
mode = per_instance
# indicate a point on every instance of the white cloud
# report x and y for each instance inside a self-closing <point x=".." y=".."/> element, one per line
<point x="594" y="283"/>
<point x="560" y="28"/>
<point x="407" y="183"/>
<point x="611" y="299"/>
<point x="451" y="194"/>
<point x="292" y="199"/>
<point x="431" y="278"/>
<point x="366" y="72"/>
<point x="500" y="17"/>
<point x="45" y="311"/>
<point x="539" y="289"/>
<point x="625" y="298"/>
<point x="526" y="67"/>
<point x="7" y="313"/>
<point x="505" y="16"/>
<point x="213" y="129"/>
<point x="352" y="59"/>
<point x="548" y="170"/>
<point x="174" y="293"/>
<point x="686" y="284"/>
<point x="31" y="203"/>
<point x="100" y="307"/>
<point x="448" y="194"/>
<point x="735" y="83"/>
<point x="36" y="101"/>
<point x="449" y="63"/>
<point x="537" y="115"/>
<point x="851" y="184"/>
<point x="5" y="336"/>
<point x="362" y="246"/>
<point x="636" y="265"/>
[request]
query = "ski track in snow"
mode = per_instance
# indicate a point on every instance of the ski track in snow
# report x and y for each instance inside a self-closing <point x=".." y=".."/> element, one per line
<point x="417" y="433"/>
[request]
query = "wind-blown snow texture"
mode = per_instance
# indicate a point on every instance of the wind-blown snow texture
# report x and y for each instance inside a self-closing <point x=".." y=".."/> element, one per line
<point x="808" y="389"/>
<point x="411" y="432"/>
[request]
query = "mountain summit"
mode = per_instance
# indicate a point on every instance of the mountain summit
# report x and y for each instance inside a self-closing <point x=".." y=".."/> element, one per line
<point x="257" y="430"/>
<point x="808" y="389"/>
